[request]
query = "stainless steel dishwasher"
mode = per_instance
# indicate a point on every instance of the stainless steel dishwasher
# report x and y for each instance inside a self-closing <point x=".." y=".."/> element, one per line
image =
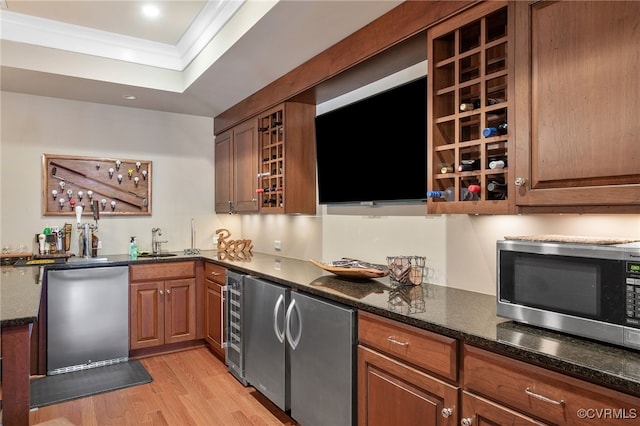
<point x="87" y="318"/>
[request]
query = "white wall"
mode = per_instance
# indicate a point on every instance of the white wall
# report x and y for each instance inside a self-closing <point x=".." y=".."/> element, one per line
<point x="460" y="250"/>
<point x="179" y="146"/>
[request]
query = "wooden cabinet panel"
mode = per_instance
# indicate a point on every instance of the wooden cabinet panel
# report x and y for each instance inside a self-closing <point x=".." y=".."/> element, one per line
<point x="470" y="103"/>
<point x="162" y="311"/>
<point x="215" y="273"/>
<point x="576" y="137"/>
<point x="236" y="169"/>
<point x="480" y="412"/>
<point x="224" y="172"/>
<point x="180" y="314"/>
<point x="430" y="351"/>
<point x="392" y="393"/>
<point x="287" y="159"/>
<point x="146" y="315"/>
<point x="541" y="393"/>
<point x="161" y="271"/>
<point x="214" y="308"/>
<point x="245" y="167"/>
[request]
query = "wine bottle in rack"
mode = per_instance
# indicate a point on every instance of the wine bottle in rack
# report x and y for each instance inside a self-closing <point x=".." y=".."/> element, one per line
<point x="494" y="101"/>
<point x="470" y="193"/>
<point x="448" y="194"/>
<point x="498" y="162"/>
<point x="446" y="168"/>
<point x="496" y="190"/>
<point x="469" y="165"/>
<point x="470" y="106"/>
<point x="500" y="129"/>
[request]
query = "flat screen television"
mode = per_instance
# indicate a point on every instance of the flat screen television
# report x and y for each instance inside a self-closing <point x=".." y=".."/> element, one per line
<point x="375" y="149"/>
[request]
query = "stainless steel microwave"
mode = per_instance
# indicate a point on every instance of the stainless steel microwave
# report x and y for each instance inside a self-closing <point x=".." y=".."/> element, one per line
<point x="587" y="290"/>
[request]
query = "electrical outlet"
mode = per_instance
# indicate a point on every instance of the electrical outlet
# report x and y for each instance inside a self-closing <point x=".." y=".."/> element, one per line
<point x="99" y="244"/>
<point x="277" y="245"/>
<point x="214" y="240"/>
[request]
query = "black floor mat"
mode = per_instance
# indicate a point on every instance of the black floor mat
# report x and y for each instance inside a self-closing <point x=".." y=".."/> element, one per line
<point x="65" y="387"/>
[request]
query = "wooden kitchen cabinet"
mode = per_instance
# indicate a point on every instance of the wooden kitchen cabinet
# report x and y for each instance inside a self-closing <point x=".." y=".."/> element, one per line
<point x="162" y="304"/>
<point x="214" y="324"/>
<point x="470" y="89"/>
<point x="396" y="382"/>
<point x="478" y="411"/>
<point x="287" y="170"/>
<point x="236" y="169"/>
<point x="577" y="134"/>
<point x="538" y="393"/>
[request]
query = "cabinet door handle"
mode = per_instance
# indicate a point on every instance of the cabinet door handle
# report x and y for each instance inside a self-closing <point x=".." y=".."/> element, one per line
<point x="543" y="398"/>
<point x="279" y="334"/>
<point x="393" y="340"/>
<point x="447" y="412"/>
<point x="161" y="293"/>
<point x="168" y="291"/>
<point x="467" y="421"/>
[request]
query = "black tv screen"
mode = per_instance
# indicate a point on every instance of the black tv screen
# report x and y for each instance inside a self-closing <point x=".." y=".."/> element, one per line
<point x="375" y="149"/>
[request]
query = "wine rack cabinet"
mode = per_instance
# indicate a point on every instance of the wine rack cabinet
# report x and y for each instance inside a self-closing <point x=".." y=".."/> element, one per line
<point x="286" y="171"/>
<point x="470" y="96"/>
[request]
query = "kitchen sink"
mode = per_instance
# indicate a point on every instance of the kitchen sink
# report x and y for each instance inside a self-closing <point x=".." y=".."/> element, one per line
<point x="157" y="255"/>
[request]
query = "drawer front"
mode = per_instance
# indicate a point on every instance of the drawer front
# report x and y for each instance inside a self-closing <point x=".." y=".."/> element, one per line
<point x="429" y="351"/>
<point x="161" y="271"/>
<point x="215" y="273"/>
<point x="544" y="394"/>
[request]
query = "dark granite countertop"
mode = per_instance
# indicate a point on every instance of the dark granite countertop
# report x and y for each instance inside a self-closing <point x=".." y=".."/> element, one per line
<point x="20" y="291"/>
<point x="464" y="315"/>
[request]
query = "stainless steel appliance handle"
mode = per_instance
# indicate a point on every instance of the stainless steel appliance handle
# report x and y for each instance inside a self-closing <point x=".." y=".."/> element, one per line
<point x="223" y="302"/>
<point x="293" y="342"/>
<point x="279" y="334"/>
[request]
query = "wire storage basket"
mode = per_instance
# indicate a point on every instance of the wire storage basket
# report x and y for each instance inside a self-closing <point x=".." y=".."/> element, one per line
<point x="407" y="299"/>
<point x="406" y="270"/>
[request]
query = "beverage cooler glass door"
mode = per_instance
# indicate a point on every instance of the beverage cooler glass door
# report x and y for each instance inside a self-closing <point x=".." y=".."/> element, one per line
<point x="234" y="307"/>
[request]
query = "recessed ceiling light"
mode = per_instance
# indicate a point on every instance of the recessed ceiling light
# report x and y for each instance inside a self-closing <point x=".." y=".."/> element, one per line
<point x="129" y="97"/>
<point x="151" y="10"/>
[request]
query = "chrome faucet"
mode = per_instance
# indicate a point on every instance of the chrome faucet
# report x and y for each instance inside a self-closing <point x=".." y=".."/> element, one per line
<point x="156" y="247"/>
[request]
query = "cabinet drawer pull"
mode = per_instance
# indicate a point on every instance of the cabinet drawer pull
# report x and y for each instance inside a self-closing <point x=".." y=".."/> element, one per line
<point x="215" y="274"/>
<point x="393" y="340"/>
<point x="543" y="398"/>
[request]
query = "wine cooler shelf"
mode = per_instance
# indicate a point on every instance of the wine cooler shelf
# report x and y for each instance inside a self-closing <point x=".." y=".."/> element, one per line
<point x="469" y="136"/>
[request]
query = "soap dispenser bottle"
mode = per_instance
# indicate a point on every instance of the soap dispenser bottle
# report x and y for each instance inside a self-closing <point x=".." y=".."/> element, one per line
<point x="133" y="249"/>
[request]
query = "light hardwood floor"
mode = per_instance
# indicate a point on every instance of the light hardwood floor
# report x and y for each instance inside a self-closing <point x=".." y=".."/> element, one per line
<point x="189" y="388"/>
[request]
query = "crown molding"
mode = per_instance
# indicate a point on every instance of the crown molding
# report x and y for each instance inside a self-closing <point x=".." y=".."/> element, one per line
<point x="74" y="38"/>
